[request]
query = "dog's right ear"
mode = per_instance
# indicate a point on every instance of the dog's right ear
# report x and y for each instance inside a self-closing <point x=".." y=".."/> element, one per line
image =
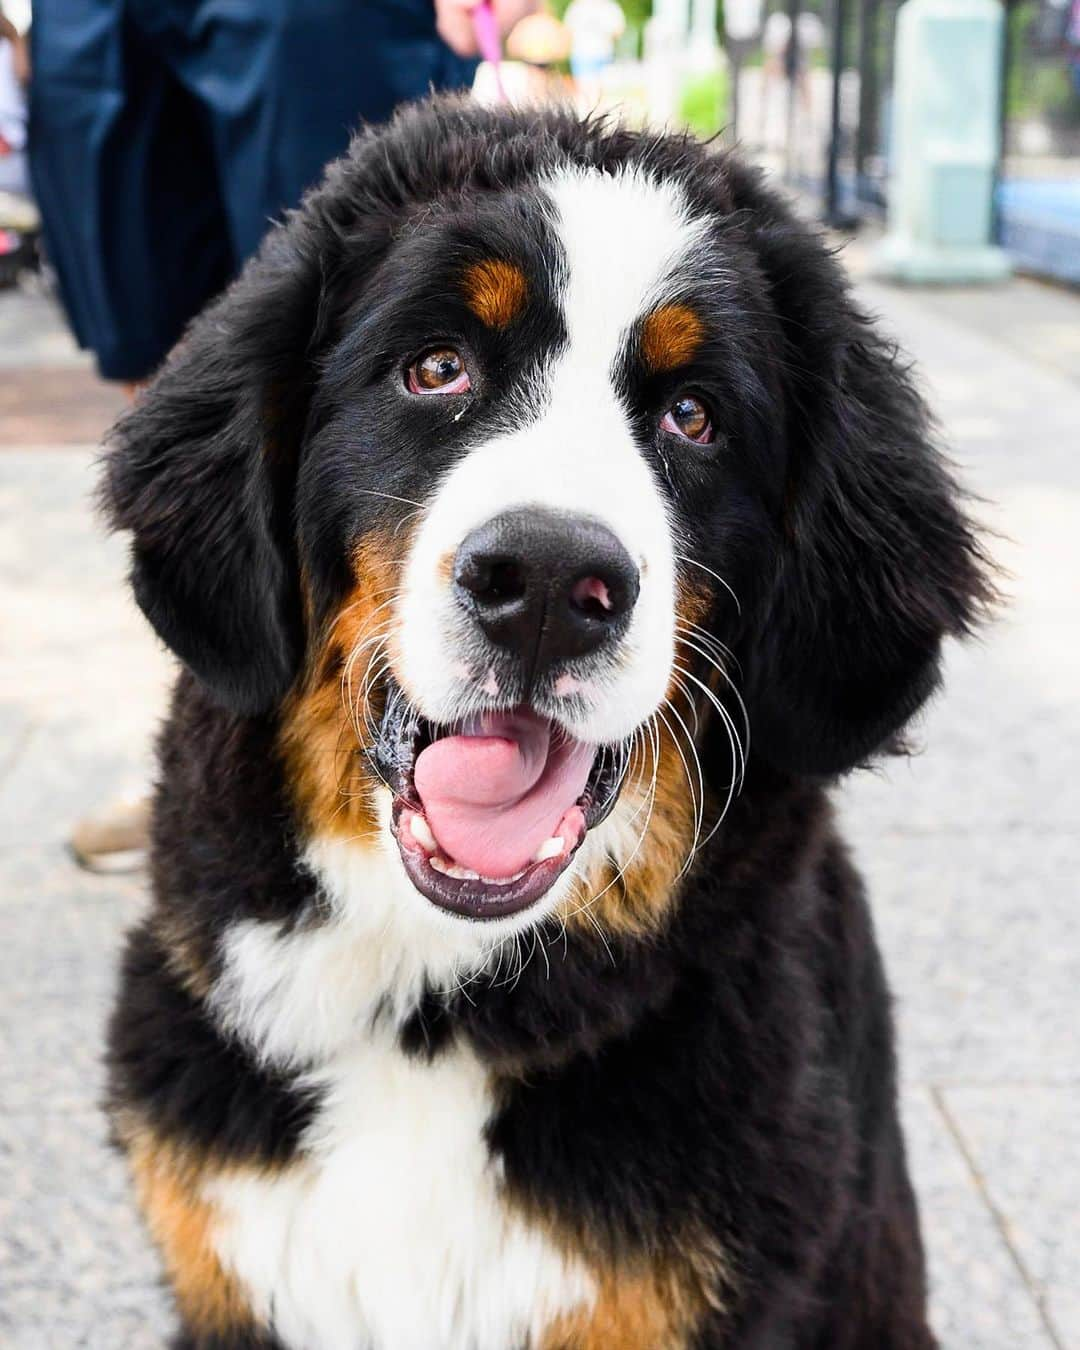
<point x="201" y="471"/>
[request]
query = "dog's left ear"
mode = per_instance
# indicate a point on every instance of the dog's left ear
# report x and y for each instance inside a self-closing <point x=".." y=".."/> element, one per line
<point x="878" y="561"/>
<point x="201" y="472"/>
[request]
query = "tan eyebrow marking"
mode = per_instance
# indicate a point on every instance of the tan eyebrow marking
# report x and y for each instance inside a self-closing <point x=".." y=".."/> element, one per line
<point x="495" y="291"/>
<point x="670" y="336"/>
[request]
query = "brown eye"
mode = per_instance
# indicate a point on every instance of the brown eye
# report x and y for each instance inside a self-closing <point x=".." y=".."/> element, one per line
<point x="688" y="417"/>
<point x="439" y="371"/>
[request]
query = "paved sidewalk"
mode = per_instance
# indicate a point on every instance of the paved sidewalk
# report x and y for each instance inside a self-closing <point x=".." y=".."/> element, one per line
<point x="972" y="850"/>
<point x="49" y="391"/>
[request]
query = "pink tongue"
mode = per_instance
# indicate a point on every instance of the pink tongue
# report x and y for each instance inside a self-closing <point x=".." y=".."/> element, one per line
<point x="492" y="799"/>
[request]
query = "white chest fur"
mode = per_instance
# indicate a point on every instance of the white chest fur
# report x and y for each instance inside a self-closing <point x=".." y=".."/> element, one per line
<point x="393" y="1235"/>
<point x="391" y="1231"/>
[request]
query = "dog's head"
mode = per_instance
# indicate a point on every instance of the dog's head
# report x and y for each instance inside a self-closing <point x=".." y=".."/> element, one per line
<point x="537" y="472"/>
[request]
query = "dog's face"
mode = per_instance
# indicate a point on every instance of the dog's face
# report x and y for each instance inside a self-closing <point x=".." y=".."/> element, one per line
<point x="512" y="458"/>
<point x="507" y="480"/>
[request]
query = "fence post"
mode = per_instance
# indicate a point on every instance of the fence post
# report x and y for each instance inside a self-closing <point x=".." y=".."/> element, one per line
<point x="833" y="215"/>
<point x="946" y="144"/>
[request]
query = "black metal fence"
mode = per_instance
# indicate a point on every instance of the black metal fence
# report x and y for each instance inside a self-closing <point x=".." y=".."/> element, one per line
<point x="816" y="101"/>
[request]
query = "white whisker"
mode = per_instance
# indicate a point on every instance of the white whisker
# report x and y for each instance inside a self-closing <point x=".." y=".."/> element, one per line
<point x="389" y="496"/>
<point x="685" y="557"/>
<point x="727" y="680"/>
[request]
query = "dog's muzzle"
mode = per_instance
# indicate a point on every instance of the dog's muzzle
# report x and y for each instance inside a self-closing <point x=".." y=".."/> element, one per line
<point x="545" y="588"/>
<point x="488" y="813"/>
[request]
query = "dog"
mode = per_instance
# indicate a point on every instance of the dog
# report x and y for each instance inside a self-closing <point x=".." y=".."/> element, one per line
<point x="542" y="529"/>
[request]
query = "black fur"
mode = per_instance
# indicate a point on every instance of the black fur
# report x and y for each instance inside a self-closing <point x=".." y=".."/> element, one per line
<point x="239" y="1340"/>
<point x="732" y="1075"/>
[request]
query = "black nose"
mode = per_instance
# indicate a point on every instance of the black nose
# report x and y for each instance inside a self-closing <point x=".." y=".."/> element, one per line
<point x="546" y="586"/>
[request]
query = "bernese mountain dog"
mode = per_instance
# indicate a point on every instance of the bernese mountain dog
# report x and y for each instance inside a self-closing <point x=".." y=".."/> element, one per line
<point x="542" y="529"/>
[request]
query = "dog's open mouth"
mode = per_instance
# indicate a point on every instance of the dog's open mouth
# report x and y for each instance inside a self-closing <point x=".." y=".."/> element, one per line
<point x="488" y="813"/>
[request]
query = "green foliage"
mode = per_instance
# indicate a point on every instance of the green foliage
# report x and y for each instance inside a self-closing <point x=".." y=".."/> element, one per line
<point x="636" y="11"/>
<point x="704" y="103"/>
<point x="1038" y="83"/>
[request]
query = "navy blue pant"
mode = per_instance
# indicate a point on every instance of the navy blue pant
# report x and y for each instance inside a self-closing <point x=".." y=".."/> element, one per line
<point x="166" y="134"/>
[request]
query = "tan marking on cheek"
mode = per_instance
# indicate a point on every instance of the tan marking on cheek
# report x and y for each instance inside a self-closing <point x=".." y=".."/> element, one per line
<point x="182" y="1225"/>
<point x="636" y="899"/>
<point x="693" y="603"/>
<point x="640" y="898"/>
<point x="495" y="291"/>
<point x="444" y="569"/>
<point x="670" y="337"/>
<point x="325" y="722"/>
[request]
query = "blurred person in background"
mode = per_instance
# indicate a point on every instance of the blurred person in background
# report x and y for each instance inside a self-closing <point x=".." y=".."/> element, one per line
<point x="788" y="56"/>
<point x="166" y="135"/>
<point x="16" y="44"/>
<point x="18" y="219"/>
<point x="595" y="26"/>
<point x="14" y="74"/>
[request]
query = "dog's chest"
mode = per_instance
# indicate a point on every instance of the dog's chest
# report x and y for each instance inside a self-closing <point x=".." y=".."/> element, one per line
<point x="394" y="1234"/>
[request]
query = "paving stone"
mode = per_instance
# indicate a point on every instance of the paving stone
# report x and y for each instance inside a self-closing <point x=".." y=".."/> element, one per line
<point x="1034" y="322"/>
<point x="978" y="1300"/>
<point x="61" y="927"/>
<point x="53" y="1053"/>
<point x="87" y="682"/>
<point x="110" y="1329"/>
<point x="1025" y="1144"/>
<point x="72" y="1251"/>
<point x="16" y="727"/>
<point x="982" y="947"/>
<point x="71" y="768"/>
<point x="61" y="407"/>
<point x="33" y="332"/>
<point x="69" y="621"/>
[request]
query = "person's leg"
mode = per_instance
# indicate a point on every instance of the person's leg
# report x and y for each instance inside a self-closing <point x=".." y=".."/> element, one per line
<point x="134" y="227"/>
<point x="130" y="217"/>
<point x="286" y="82"/>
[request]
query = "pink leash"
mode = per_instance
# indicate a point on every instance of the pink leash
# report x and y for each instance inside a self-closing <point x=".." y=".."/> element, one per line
<point x="486" y="27"/>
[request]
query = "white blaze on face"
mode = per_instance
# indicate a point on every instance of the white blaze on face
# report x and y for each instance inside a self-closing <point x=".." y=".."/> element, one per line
<point x="622" y="236"/>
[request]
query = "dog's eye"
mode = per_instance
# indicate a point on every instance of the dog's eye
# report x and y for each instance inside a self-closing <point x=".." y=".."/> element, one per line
<point x="441" y="370"/>
<point x="688" y="417"/>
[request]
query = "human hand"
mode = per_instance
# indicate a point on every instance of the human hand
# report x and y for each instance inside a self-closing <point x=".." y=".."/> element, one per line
<point x="453" y="20"/>
<point x="19" y="46"/>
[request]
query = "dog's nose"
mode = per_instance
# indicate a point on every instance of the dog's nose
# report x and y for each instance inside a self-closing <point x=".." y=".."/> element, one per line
<point x="546" y="586"/>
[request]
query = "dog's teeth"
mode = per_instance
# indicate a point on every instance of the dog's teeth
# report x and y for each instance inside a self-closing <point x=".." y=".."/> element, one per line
<point x="421" y="832"/>
<point x="452" y="869"/>
<point x="550" y="848"/>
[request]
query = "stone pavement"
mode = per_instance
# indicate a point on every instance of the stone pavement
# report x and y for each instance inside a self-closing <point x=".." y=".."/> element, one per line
<point x="972" y="850"/>
<point x="49" y="393"/>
